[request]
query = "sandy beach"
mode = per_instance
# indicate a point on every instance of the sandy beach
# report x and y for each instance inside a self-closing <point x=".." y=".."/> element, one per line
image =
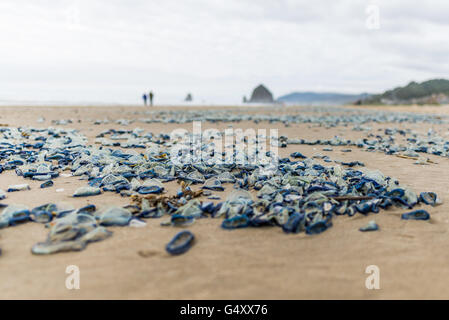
<point x="251" y="263"/>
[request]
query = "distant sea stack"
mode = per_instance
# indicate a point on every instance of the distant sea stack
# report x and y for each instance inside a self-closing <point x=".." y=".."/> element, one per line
<point x="189" y="98"/>
<point x="261" y="95"/>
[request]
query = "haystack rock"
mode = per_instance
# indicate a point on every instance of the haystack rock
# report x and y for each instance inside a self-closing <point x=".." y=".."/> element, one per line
<point x="261" y="95"/>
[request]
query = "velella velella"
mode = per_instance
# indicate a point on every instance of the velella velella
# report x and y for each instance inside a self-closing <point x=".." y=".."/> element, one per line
<point x="178" y="220"/>
<point x="237" y="221"/>
<point x="213" y="184"/>
<point x="71" y="232"/>
<point x="429" y="198"/>
<point x="18" y="187"/>
<point x="47" y="184"/>
<point x="180" y="243"/>
<point x="14" y="214"/>
<point x="301" y="194"/>
<point x="370" y="226"/>
<point x="294" y="224"/>
<point x="87" y="191"/>
<point x="318" y="226"/>
<point x="297" y="155"/>
<point x="151" y="186"/>
<point x="416" y="215"/>
<point x="44" y="213"/>
<point x="41" y="248"/>
<point x="96" y="234"/>
<point x="114" y="216"/>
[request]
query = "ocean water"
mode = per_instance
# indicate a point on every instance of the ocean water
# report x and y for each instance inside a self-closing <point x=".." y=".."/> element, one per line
<point x="38" y="103"/>
<point x="26" y="94"/>
<point x="119" y="101"/>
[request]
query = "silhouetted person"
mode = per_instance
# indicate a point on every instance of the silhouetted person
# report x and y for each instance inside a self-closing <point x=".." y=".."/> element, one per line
<point x="151" y="95"/>
<point x="144" y="97"/>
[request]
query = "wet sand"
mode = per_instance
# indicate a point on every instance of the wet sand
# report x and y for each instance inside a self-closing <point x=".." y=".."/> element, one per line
<point x="252" y="263"/>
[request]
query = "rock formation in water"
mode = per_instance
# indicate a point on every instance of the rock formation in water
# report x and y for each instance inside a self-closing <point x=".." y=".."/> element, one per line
<point x="261" y="95"/>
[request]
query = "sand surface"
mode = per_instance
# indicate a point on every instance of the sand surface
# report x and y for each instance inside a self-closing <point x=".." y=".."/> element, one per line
<point x="252" y="263"/>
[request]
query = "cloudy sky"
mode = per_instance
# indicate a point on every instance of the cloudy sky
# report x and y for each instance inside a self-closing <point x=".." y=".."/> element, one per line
<point x="219" y="50"/>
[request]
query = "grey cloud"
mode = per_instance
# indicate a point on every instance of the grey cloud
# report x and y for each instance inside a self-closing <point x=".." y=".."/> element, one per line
<point x="217" y="49"/>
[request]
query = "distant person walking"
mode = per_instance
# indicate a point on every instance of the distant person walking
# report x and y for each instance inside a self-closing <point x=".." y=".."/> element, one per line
<point x="144" y="97"/>
<point x="151" y="95"/>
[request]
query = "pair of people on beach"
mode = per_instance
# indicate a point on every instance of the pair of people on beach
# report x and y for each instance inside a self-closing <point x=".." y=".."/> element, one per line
<point x="146" y="97"/>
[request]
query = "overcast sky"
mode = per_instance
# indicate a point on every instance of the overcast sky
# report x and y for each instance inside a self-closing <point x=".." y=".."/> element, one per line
<point x="219" y="50"/>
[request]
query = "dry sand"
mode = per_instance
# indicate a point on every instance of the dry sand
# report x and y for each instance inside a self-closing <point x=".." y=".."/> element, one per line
<point x="253" y="263"/>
